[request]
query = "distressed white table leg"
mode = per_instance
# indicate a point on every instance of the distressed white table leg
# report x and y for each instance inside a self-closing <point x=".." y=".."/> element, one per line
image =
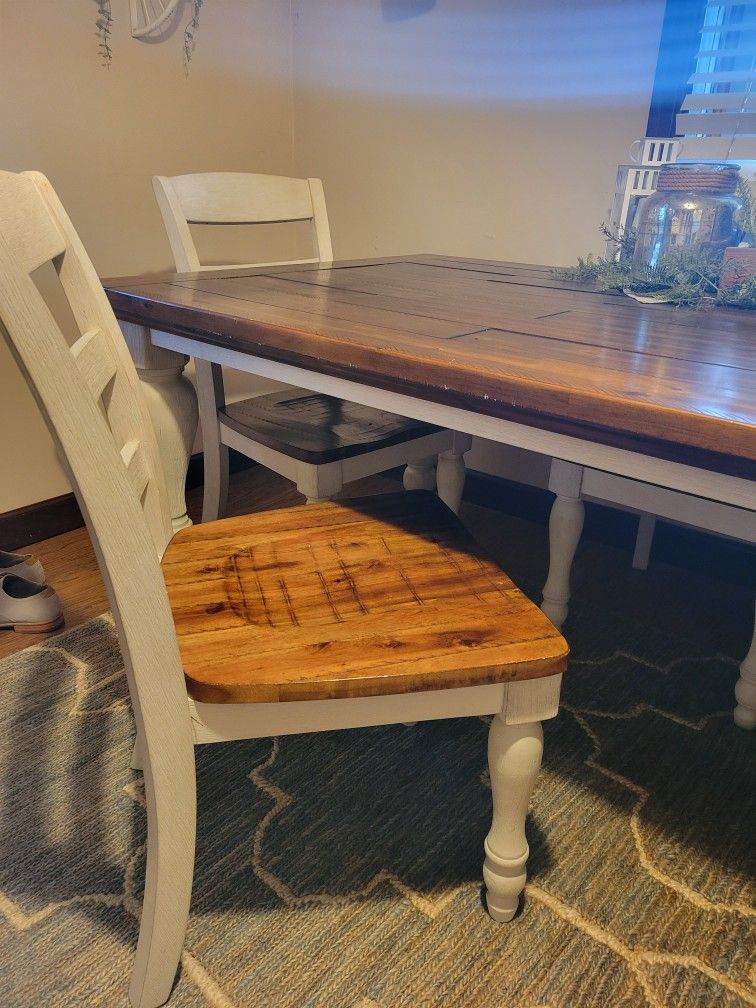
<point x="450" y="471"/>
<point x="420" y="475"/>
<point x="745" y="690"/>
<point x="565" y="527"/>
<point x="644" y="540"/>
<point x="172" y="404"/>
<point x="515" y="747"/>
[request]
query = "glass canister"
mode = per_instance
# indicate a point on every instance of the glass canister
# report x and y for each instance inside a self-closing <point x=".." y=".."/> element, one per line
<point x="693" y="209"/>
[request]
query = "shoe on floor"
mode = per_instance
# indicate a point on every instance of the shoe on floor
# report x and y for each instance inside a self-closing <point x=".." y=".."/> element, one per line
<point x="22" y="565"/>
<point x="28" y="607"/>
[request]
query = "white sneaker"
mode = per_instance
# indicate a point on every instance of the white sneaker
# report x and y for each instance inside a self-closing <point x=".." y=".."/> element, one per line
<point x="22" y="565"/>
<point x="28" y="607"/>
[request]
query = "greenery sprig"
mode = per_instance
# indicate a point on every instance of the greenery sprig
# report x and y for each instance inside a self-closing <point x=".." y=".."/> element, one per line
<point x="190" y="33"/>
<point x="747" y="212"/>
<point x="104" y="26"/>
<point x="683" y="277"/>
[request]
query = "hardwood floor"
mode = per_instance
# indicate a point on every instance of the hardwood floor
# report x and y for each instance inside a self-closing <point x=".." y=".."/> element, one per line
<point x="705" y="601"/>
<point x="71" y="567"/>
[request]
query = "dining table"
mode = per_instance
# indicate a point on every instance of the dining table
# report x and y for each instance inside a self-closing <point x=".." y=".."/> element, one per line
<point x="650" y="407"/>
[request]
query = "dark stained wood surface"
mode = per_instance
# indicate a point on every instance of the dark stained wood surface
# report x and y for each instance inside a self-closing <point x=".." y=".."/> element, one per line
<point x="381" y="595"/>
<point x="503" y="339"/>
<point x="317" y="428"/>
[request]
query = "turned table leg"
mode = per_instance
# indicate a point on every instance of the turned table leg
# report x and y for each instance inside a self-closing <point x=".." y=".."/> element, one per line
<point x="172" y="404"/>
<point x="420" y="475"/>
<point x="565" y="527"/>
<point x="450" y="471"/>
<point x="745" y="690"/>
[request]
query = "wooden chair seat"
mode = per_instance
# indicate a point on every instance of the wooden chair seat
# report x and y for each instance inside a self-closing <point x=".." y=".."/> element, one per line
<point x="378" y="596"/>
<point x="317" y="428"/>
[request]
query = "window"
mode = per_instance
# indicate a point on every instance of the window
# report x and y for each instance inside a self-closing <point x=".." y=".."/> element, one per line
<point x="704" y="88"/>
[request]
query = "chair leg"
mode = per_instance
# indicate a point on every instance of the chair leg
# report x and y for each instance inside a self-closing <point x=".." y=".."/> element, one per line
<point x="210" y="398"/>
<point x="319" y="483"/>
<point x="643" y="541"/>
<point x="514" y="758"/>
<point x="171" y="828"/>
<point x="137" y="757"/>
<point x="420" y="475"/>
<point x="215" y="491"/>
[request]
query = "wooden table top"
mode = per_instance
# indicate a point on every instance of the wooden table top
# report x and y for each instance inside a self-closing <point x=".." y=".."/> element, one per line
<point x="502" y="339"/>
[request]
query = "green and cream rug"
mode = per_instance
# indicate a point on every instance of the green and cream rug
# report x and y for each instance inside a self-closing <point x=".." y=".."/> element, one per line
<point x="343" y="870"/>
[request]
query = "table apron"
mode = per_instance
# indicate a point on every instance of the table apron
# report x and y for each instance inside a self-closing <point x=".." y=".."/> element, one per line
<point x="704" y="483"/>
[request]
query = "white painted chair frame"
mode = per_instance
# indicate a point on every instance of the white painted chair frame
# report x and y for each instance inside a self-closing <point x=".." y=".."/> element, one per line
<point x="97" y="413"/>
<point x="230" y="198"/>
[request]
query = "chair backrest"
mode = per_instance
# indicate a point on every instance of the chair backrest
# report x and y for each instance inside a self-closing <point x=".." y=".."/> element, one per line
<point x="90" y="396"/>
<point x="238" y="198"/>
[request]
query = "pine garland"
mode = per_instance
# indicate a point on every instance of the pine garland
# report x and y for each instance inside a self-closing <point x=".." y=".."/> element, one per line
<point x="683" y="277"/>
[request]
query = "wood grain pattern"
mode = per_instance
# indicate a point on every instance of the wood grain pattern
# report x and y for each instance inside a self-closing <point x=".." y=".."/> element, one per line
<point x="502" y="339"/>
<point x="376" y="596"/>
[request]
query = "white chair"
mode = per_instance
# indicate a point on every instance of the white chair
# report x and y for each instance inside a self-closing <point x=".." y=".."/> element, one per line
<point x="315" y="440"/>
<point x="381" y="611"/>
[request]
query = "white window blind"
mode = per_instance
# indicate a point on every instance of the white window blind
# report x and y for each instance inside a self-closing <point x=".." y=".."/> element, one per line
<point x="718" y="117"/>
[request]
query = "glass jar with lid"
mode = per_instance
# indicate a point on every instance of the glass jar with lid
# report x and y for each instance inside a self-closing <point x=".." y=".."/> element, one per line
<point x="694" y="209"/>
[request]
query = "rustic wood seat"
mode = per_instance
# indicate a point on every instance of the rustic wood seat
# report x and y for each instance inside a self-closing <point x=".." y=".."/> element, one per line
<point x="318" y="429"/>
<point x="359" y="614"/>
<point x="318" y="442"/>
<point x="383" y="595"/>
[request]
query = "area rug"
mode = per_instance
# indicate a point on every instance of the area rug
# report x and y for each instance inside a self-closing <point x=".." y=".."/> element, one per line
<point x="343" y="870"/>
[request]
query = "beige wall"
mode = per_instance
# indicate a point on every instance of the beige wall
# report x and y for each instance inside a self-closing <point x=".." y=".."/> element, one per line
<point x="101" y="134"/>
<point x="477" y="127"/>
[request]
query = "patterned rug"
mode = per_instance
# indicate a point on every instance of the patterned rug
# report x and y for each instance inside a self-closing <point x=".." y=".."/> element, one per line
<point x="343" y="870"/>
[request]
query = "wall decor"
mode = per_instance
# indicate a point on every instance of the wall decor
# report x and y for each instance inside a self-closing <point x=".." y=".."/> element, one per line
<point x="148" y="17"/>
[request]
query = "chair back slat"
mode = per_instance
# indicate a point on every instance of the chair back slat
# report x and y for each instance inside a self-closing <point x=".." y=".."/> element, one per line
<point x="238" y="198"/>
<point x="89" y="394"/>
<point x="135" y="460"/>
<point x="96" y="362"/>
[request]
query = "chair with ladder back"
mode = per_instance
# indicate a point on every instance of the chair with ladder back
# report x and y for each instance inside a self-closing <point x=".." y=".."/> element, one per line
<point x="324" y="616"/>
